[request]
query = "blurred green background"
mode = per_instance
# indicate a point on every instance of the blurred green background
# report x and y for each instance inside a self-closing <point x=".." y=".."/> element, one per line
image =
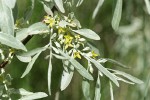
<point x="130" y="46"/>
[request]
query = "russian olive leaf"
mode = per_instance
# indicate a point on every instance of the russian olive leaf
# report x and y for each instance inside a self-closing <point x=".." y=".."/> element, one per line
<point x="79" y="3"/>
<point x="34" y="96"/>
<point x="97" y="89"/>
<point x="81" y="69"/>
<point x="66" y="75"/>
<point x="32" y="52"/>
<point x="10" y="3"/>
<point x="87" y="33"/>
<point x="11" y="41"/>
<point x="59" y="5"/>
<point x="6" y="19"/>
<point x="147" y="2"/>
<point x="111" y="91"/>
<point x="49" y="74"/>
<point x="24" y="59"/>
<point x="128" y="76"/>
<point x="105" y="71"/>
<point x="99" y="4"/>
<point x="86" y="89"/>
<point x="117" y="15"/>
<point x="30" y="65"/>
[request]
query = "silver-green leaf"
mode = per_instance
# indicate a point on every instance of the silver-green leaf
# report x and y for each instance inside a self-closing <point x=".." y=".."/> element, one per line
<point x="86" y="89"/>
<point x="87" y="33"/>
<point x="147" y="2"/>
<point x="6" y="18"/>
<point x="59" y="5"/>
<point x="11" y="41"/>
<point x="99" y="4"/>
<point x="105" y="71"/>
<point x="117" y="15"/>
<point x="81" y="69"/>
<point x="67" y="75"/>
<point x="10" y="3"/>
<point x="30" y="64"/>
<point x="128" y="76"/>
<point x="34" y="96"/>
<point x="97" y="89"/>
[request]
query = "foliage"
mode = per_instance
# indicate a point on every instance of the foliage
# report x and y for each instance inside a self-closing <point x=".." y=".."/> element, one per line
<point x="68" y="42"/>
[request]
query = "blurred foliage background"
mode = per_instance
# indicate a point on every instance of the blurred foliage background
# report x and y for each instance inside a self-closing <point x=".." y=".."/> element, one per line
<point x="129" y="45"/>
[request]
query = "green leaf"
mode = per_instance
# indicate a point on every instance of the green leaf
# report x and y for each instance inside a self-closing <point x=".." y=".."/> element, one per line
<point x="6" y="18"/>
<point x="79" y="3"/>
<point x="87" y="33"/>
<point x="77" y="65"/>
<point x="59" y="5"/>
<point x="66" y="75"/>
<point x="86" y="89"/>
<point x="99" y="4"/>
<point x="11" y="41"/>
<point x="117" y="15"/>
<point x="105" y="71"/>
<point x="49" y="72"/>
<point x="147" y="2"/>
<point x="24" y="59"/>
<point x="38" y="28"/>
<point x="81" y="69"/>
<point x="47" y="9"/>
<point x="97" y="89"/>
<point x="128" y="76"/>
<point x="30" y="64"/>
<point x="10" y="3"/>
<point x="33" y="96"/>
<point x="59" y="57"/>
<point x="33" y="52"/>
<point x="22" y="34"/>
<point x="116" y="62"/>
<point x="111" y="91"/>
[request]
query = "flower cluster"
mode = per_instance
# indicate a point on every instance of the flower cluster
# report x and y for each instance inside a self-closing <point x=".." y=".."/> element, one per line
<point x="65" y="38"/>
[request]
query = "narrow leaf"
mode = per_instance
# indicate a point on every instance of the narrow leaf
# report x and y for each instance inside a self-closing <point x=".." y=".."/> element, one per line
<point x="30" y="65"/>
<point x="117" y="15"/>
<point x="88" y="33"/>
<point x="24" y="59"/>
<point x="47" y="9"/>
<point x="33" y="96"/>
<point x="22" y="34"/>
<point x="37" y="28"/>
<point x="24" y="92"/>
<point x="59" y="5"/>
<point x="147" y="2"/>
<point x="86" y="89"/>
<point x="67" y="75"/>
<point x="128" y="76"/>
<point x="81" y="69"/>
<point x="79" y="3"/>
<point x="97" y="89"/>
<point x="49" y="73"/>
<point x="111" y="91"/>
<point x="105" y="71"/>
<point x="33" y="52"/>
<point x="10" y="3"/>
<point x="99" y="4"/>
<point x="6" y="18"/>
<point x="11" y="41"/>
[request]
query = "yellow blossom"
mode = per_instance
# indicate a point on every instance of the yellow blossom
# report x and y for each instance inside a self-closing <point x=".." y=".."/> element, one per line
<point x="49" y="20"/>
<point x="77" y="36"/>
<point x="61" y="30"/>
<point x="77" y="55"/>
<point x="68" y="40"/>
<point x="94" y="54"/>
